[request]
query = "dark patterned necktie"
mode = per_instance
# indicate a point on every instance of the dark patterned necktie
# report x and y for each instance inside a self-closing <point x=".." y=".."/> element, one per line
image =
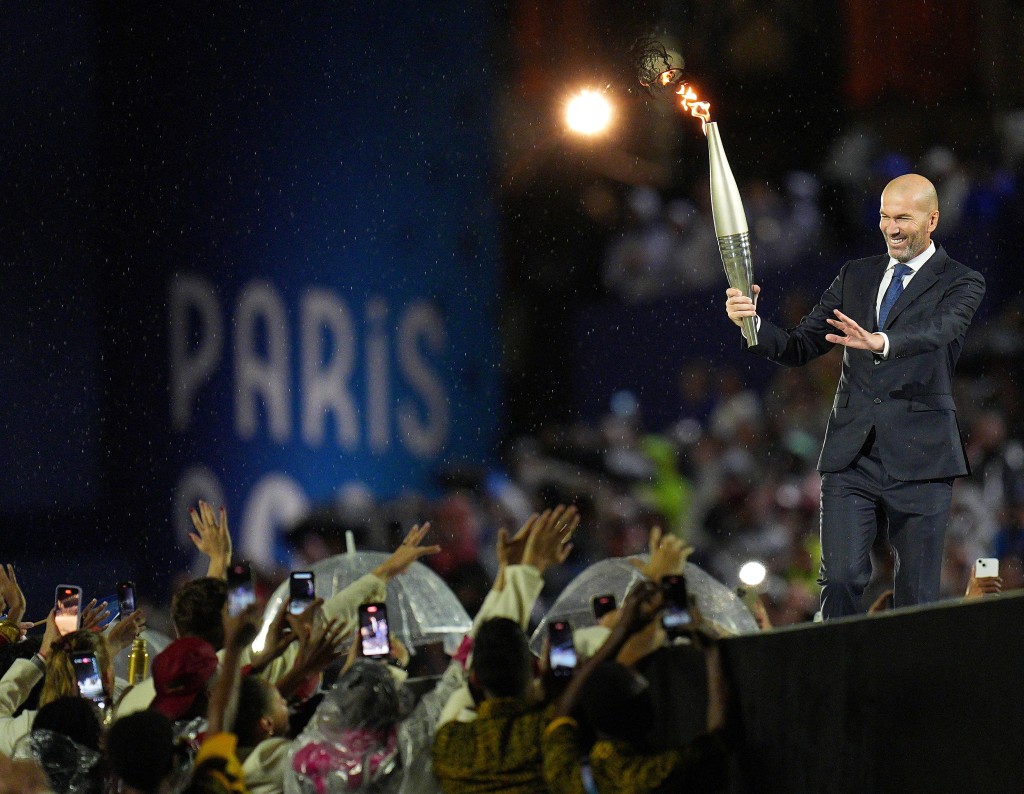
<point x="892" y="294"/>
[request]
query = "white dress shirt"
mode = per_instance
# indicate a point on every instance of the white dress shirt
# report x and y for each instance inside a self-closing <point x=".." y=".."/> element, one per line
<point x="914" y="264"/>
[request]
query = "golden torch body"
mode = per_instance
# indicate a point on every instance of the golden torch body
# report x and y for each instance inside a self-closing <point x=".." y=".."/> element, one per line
<point x="730" y="225"/>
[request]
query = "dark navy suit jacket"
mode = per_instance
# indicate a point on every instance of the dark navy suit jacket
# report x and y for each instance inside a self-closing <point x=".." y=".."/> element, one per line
<point x="908" y="397"/>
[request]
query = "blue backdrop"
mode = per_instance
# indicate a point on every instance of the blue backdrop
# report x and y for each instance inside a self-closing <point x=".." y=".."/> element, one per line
<point x="293" y="264"/>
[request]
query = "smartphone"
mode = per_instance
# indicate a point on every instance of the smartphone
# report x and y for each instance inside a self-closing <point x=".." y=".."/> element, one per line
<point x="602" y="605"/>
<point x="676" y="615"/>
<point x="301" y="590"/>
<point x="68" y="607"/>
<point x="125" y="599"/>
<point x="241" y="591"/>
<point x="374" y="635"/>
<point x="561" y="650"/>
<point x="985" y="567"/>
<point x="89" y="678"/>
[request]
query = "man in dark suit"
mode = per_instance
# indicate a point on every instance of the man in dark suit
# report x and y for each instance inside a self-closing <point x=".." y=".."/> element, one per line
<point x="892" y="447"/>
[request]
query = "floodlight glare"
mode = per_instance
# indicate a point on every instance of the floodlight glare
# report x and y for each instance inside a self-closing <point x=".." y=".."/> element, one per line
<point x="752" y="573"/>
<point x="588" y="113"/>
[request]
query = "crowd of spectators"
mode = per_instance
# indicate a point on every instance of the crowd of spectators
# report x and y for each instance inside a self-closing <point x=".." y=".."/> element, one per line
<point x="311" y="711"/>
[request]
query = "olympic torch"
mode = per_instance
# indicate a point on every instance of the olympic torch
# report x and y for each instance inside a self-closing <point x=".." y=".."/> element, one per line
<point x="730" y="225"/>
<point x="726" y="206"/>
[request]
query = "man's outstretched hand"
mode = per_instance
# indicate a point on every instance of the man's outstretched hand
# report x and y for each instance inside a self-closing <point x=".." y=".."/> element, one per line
<point x="855" y="336"/>
<point x="406" y="554"/>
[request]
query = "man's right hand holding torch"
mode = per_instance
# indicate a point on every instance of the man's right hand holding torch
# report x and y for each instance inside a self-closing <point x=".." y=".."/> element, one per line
<point x="739" y="306"/>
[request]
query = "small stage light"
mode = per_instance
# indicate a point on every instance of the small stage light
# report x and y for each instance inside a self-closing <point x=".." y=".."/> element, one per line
<point x="589" y="113"/>
<point x="753" y="573"/>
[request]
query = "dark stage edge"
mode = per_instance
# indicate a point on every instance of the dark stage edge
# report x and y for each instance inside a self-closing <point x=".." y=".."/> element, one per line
<point x="927" y="699"/>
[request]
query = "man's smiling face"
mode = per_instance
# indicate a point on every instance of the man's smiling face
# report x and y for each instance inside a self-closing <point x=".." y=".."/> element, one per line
<point x="907" y="219"/>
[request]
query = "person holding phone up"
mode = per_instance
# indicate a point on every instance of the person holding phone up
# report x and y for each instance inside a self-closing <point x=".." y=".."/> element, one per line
<point x="617" y="705"/>
<point x="53" y="665"/>
<point x="196" y="608"/>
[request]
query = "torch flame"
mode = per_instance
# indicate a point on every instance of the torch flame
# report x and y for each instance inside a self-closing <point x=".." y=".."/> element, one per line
<point x="699" y="110"/>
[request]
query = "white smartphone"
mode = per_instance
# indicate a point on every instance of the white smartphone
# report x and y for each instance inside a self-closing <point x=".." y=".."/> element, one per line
<point x="986" y="567"/>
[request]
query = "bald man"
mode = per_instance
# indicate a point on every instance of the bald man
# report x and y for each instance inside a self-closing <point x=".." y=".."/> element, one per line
<point x="892" y="448"/>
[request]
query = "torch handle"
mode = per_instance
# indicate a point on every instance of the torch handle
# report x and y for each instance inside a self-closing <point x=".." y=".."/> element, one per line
<point x="750" y="330"/>
<point x="735" y="250"/>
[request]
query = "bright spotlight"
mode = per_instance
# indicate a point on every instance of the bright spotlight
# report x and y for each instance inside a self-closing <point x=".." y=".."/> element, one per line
<point x="753" y="573"/>
<point x="588" y="113"/>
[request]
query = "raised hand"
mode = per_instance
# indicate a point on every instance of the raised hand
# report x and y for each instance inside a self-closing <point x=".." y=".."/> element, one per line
<point x="985" y="585"/>
<point x="668" y="555"/>
<point x="406" y="554"/>
<point x="212" y="538"/>
<point x="549" y="537"/>
<point x="241" y="629"/>
<point x="93" y="615"/>
<point x="319" y="647"/>
<point x="282" y="632"/>
<point x="854" y="336"/>
<point x="639" y="608"/>
<point x="51" y="635"/>
<point x="126" y="630"/>
<point x="510" y="550"/>
<point x="11" y="595"/>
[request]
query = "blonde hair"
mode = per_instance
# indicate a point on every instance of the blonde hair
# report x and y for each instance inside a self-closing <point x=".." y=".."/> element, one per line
<point x="60" y="678"/>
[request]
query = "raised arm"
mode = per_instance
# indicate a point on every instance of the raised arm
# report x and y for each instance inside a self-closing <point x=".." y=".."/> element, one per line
<point x="238" y="633"/>
<point x="560" y="746"/>
<point x="340" y="609"/>
<point x="796" y="346"/>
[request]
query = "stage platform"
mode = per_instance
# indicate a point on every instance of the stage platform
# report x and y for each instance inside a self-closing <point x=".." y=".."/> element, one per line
<point x="927" y="699"/>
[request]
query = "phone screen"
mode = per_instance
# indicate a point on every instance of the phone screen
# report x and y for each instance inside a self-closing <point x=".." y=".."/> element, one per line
<point x="67" y="605"/>
<point x="561" y="650"/>
<point x="603" y="604"/>
<point x="241" y="592"/>
<point x="373" y="630"/>
<point x="676" y="616"/>
<point x="302" y="590"/>
<point x="87" y="674"/>
<point x="125" y="598"/>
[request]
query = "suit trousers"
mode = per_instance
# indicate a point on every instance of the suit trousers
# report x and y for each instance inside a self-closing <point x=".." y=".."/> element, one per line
<point x="862" y="500"/>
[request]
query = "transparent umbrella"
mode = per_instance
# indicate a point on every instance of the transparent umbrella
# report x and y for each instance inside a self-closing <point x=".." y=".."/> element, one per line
<point x="617" y="575"/>
<point x="422" y="609"/>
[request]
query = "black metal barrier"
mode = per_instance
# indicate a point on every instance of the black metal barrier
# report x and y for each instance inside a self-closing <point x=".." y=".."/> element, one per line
<point x="928" y="699"/>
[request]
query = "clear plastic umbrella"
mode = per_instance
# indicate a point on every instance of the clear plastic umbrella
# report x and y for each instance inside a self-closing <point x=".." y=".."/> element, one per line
<point x="617" y="575"/>
<point x="422" y="609"/>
